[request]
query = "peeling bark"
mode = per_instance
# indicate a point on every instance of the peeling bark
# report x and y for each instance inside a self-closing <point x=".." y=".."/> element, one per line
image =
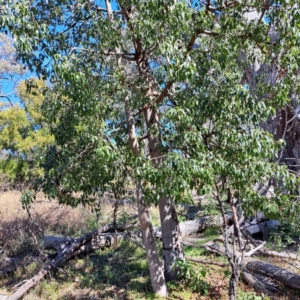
<point x="257" y="285"/>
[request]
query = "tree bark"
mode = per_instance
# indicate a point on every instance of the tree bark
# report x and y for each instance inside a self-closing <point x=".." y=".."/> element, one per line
<point x="171" y="236"/>
<point x="155" y="265"/>
<point x="263" y="227"/>
<point x="101" y="241"/>
<point x="30" y="283"/>
<point x="234" y="279"/>
<point x="257" y="285"/>
<point x="286" y="277"/>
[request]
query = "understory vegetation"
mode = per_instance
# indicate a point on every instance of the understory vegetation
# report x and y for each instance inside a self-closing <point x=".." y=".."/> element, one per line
<point x="120" y="272"/>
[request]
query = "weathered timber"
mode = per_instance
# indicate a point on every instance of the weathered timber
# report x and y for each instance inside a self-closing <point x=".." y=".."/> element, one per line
<point x="263" y="227"/>
<point x="100" y="241"/>
<point x="58" y="243"/>
<point x="279" y="254"/>
<point x="201" y="224"/>
<point x="257" y="285"/>
<point x="30" y="283"/>
<point x="94" y="238"/>
<point x="270" y="285"/>
<point x="272" y="253"/>
<point x="288" y="278"/>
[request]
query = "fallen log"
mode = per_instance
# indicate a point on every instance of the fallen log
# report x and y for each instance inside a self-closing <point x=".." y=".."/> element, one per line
<point x="30" y="283"/>
<point x="100" y="238"/>
<point x="100" y="241"/>
<point x="257" y="285"/>
<point x="268" y="252"/>
<point x="263" y="227"/>
<point x="201" y="224"/>
<point x="288" y="278"/>
<point x="90" y="241"/>
<point x="279" y="254"/>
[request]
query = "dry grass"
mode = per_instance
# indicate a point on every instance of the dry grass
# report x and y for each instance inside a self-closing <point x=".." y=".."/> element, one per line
<point x="21" y="234"/>
<point x="46" y="217"/>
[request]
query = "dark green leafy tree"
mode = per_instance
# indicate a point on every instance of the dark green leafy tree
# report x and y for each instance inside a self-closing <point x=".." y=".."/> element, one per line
<point x="152" y="92"/>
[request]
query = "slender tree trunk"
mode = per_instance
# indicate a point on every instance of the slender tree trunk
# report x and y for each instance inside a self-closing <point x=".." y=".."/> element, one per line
<point x="171" y="237"/>
<point x="155" y="265"/>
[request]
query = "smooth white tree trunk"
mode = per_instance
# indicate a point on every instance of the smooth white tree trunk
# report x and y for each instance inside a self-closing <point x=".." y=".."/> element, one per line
<point x="155" y="265"/>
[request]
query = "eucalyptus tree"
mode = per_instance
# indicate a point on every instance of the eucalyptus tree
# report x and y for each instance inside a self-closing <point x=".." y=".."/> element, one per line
<point x="152" y="92"/>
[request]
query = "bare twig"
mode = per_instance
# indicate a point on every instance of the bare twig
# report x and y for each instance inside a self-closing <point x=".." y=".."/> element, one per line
<point x="206" y="262"/>
<point x="252" y="251"/>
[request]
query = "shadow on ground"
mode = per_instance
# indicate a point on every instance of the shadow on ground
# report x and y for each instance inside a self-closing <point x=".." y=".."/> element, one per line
<point x="120" y="273"/>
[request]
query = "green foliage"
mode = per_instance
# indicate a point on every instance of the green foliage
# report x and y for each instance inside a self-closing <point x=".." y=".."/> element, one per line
<point x="210" y="206"/>
<point x="192" y="278"/>
<point x="27" y="198"/>
<point x="250" y="296"/>
<point x="24" y="134"/>
<point x="284" y="236"/>
<point x="208" y="124"/>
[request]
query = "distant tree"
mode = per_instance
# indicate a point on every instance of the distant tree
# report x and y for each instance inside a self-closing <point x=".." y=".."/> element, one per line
<point x="23" y="134"/>
<point x="155" y="94"/>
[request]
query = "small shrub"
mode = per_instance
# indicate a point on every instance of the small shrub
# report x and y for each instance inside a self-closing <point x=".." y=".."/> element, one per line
<point x="192" y="277"/>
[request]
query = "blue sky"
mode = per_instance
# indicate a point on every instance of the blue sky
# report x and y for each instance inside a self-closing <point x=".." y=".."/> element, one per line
<point x="8" y="86"/>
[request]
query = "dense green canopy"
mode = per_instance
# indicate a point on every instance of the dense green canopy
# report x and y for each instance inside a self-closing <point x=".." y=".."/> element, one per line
<point x="209" y="123"/>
